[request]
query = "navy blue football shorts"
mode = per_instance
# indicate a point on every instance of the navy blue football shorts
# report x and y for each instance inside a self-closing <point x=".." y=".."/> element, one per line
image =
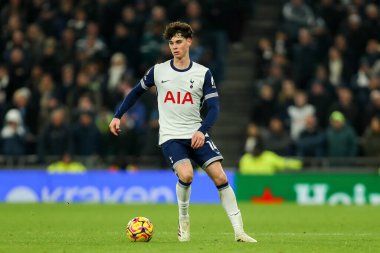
<point x="180" y="150"/>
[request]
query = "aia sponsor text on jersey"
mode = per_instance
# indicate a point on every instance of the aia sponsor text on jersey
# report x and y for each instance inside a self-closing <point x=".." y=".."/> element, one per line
<point x="178" y="97"/>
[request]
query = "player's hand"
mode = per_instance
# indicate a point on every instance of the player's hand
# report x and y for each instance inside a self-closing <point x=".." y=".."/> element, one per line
<point x="115" y="126"/>
<point x="198" y="140"/>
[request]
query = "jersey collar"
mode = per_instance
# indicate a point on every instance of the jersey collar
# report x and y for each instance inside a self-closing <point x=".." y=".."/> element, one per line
<point x="181" y="70"/>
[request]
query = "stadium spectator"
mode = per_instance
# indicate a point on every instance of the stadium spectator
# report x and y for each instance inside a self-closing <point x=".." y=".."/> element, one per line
<point x="298" y="114"/>
<point x="33" y="10"/>
<point x="373" y="108"/>
<point x="264" y="107"/>
<point x="133" y="21"/>
<point x="372" y="20"/>
<point x="102" y="120"/>
<point x="374" y="84"/>
<point x="85" y="105"/>
<point x="281" y="44"/>
<point x="11" y="24"/>
<point x="4" y="78"/>
<point x="253" y="133"/>
<point x="67" y="83"/>
<point x="238" y="12"/>
<point x="82" y="87"/>
<point x="264" y="53"/>
<point x="86" y="138"/>
<point x="264" y="162"/>
<point x="331" y="13"/>
<point x="372" y="53"/>
<point x="151" y="46"/>
<point x="286" y="97"/>
<point x="346" y="105"/>
<point x="66" y="46"/>
<point x="13" y="134"/>
<point x="371" y="138"/>
<point x="212" y="32"/>
<point x="32" y="84"/>
<point x="50" y="59"/>
<point x="321" y="75"/>
<point x="340" y="137"/>
<point x="321" y="98"/>
<point x="337" y="68"/>
<point x="283" y="62"/>
<point x="125" y="42"/>
<point x="297" y="15"/>
<point x="193" y="16"/>
<point x="66" y="165"/>
<point x="321" y="38"/>
<point x="90" y="45"/>
<point x="18" y="70"/>
<point x="276" y="139"/>
<point x="363" y="83"/>
<point x="63" y="14"/>
<point x="311" y="142"/>
<point x="356" y="35"/>
<point x="158" y="15"/>
<point x="350" y="65"/>
<point x="304" y="58"/>
<point x="275" y="77"/>
<point x="93" y="70"/>
<point x="22" y="102"/>
<point x="17" y="41"/>
<point x="36" y="39"/>
<point x="14" y="7"/>
<point x="55" y="138"/>
<point x="78" y="22"/>
<point x="47" y="19"/>
<point x="4" y="82"/>
<point x="117" y="71"/>
<point x="197" y="50"/>
<point x="47" y="96"/>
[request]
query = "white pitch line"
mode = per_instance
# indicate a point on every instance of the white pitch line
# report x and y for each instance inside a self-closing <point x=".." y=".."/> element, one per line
<point x="289" y="234"/>
<point x="312" y="234"/>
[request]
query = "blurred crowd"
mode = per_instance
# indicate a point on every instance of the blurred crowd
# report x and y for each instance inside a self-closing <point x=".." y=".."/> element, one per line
<point x="65" y="65"/>
<point x="318" y="87"/>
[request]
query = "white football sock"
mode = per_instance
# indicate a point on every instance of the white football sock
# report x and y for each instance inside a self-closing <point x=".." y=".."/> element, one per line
<point x="228" y="200"/>
<point x="183" y="198"/>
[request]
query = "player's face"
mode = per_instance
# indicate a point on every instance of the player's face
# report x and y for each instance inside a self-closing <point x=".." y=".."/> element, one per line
<point x="179" y="46"/>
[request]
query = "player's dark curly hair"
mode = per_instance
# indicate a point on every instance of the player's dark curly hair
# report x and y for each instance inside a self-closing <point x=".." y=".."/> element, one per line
<point x="178" y="27"/>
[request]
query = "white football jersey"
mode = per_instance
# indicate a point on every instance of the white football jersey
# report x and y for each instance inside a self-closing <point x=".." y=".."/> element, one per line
<point x="180" y="95"/>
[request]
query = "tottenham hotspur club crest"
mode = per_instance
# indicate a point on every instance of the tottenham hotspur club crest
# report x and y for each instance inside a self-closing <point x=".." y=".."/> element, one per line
<point x="191" y="81"/>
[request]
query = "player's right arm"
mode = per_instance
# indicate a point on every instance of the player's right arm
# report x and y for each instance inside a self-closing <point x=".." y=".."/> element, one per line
<point x="145" y="83"/>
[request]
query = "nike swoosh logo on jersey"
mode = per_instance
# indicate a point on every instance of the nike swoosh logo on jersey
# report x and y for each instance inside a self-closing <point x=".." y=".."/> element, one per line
<point x="164" y="81"/>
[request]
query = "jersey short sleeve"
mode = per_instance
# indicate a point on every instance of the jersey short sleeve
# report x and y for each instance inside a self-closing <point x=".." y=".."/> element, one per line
<point x="209" y="87"/>
<point x="148" y="79"/>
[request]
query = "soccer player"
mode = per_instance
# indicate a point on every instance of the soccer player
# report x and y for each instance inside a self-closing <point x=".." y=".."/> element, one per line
<point x="182" y="88"/>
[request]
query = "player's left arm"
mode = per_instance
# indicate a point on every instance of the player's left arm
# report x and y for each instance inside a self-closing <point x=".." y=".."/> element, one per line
<point x="145" y="83"/>
<point x="211" y="99"/>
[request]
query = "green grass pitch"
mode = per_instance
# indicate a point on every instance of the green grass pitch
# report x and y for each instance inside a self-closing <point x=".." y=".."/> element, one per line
<point x="101" y="228"/>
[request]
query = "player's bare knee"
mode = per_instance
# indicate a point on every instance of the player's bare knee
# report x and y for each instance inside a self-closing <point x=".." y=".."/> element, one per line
<point x="185" y="172"/>
<point x="186" y="177"/>
<point x="220" y="179"/>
